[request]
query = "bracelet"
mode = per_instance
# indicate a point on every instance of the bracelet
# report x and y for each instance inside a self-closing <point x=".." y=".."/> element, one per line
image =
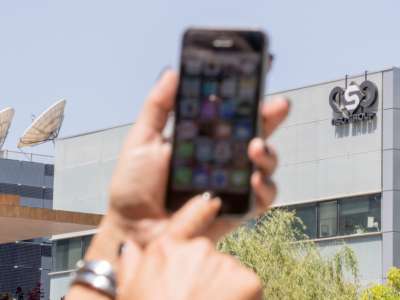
<point x="98" y="275"/>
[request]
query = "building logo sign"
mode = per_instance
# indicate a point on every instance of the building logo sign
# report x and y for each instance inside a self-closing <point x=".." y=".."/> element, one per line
<point x="353" y="104"/>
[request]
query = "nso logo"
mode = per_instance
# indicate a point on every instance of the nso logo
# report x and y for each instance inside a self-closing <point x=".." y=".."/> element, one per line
<point x="353" y="104"/>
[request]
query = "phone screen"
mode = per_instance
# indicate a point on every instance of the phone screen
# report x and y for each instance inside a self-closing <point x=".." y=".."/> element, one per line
<point x="221" y="78"/>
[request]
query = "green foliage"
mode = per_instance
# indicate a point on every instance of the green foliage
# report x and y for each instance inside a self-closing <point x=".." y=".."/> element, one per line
<point x="289" y="266"/>
<point x="394" y="278"/>
<point x="388" y="291"/>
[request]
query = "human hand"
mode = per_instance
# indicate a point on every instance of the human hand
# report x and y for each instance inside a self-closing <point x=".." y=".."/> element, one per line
<point x="137" y="193"/>
<point x="176" y="266"/>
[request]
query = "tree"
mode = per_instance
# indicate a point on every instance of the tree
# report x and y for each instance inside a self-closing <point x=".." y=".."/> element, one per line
<point x="388" y="291"/>
<point x="289" y="265"/>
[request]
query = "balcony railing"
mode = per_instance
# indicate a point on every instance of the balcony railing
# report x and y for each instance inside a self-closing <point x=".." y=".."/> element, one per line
<point x="40" y="158"/>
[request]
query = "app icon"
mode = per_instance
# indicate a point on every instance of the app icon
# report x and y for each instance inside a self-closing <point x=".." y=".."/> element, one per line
<point x="223" y="130"/>
<point x="210" y="88"/>
<point x="204" y="149"/>
<point x="243" y="130"/>
<point x="185" y="150"/>
<point x="240" y="157"/>
<point x="212" y="69"/>
<point x="240" y="178"/>
<point x="193" y="66"/>
<point x="182" y="176"/>
<point x="248" y="67"/>
<point x="219" y="178"/>
<point x="208" y="110"/>
<point x="228" y="87"/>
<point x="190" y="87"/>
<point x="227" y="109"/>
<point x="244" y="108"/>
<point x="247" y="88"/>
<point x="187" y="130"/>
<point x="206" y="129"/>
<point x="189" y="108"/>
<point x="200" y="178"/>
<point x="222" y="152"/>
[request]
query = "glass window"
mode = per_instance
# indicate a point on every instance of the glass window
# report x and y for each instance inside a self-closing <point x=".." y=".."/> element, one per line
<point x="360" y="215"/>
<point x="86" y="243"/>
<point x="308" y="215"/>
<point x="328" y="219"/>
<point x="68" y="252"/>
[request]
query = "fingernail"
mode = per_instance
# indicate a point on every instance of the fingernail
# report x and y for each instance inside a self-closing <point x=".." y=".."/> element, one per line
<point x="163" y="70"/>
<point x="267" y="150"/>
<point x="268" y="181"/>
<point x="121" y="248"/>
<point x="207" y="196"/>
<point x="289" y="102"/>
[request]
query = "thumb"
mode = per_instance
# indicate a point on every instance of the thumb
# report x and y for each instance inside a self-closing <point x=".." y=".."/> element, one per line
<point x="129" y="263"/>
<point x="194" y="217"/>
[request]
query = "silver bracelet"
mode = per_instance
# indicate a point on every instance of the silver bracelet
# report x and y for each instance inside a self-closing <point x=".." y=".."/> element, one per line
<point x="98" y="275"/>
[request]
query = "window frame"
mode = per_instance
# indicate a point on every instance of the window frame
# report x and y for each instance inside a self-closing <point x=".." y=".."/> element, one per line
<point x="338" y="201"/>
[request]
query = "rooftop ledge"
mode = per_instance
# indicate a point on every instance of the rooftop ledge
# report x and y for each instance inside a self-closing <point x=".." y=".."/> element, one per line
<point x="21" y="223"/>
<point x="23" y="156"/>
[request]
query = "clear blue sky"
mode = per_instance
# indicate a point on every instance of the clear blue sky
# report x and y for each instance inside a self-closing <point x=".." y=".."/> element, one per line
<point x="103" y="56"/>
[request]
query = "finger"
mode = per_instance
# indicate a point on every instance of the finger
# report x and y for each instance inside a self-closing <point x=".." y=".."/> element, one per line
<point x="194" y="217"/>
<point x="158" y="105"/>
<point x="265" y="191"/>
<point x="274" y="113"/>
<point x="263" y="156"/>
<point x="129" y="263"/>
<point x="147" y="230"/>
<point x="222" y="227"/>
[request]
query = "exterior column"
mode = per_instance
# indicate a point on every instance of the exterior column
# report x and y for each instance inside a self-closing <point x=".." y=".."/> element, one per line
<point x="390" y="170"/>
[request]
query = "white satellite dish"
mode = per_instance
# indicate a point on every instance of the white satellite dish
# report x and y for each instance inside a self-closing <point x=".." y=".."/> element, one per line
<point x="6" y="116"/>
<point x="44" y="128"/>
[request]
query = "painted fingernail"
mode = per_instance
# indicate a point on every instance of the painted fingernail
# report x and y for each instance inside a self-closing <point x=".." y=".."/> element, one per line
<point x="207" y="196"/>
<point x="289" y="102"/>
<point x="267" y="150"/>
<point x="268" y="181"/>
<point x="163" y="70"/>
<point x="121" y="248"/>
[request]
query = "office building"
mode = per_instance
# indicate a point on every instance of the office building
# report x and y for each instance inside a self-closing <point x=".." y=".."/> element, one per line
<point x="27" y="219"/>
<point x="339" y="169"/>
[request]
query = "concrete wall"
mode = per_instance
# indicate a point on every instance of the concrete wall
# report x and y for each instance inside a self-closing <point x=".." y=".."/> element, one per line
<point x="368" y="250"/>
<point x="321" y="161"/>
<point x="391" y="167"/>
<point x="59" y="284"/>
<point x="83" y="169"/>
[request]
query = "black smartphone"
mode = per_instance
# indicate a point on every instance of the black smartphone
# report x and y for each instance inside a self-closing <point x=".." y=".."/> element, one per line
<point x="221" y="83"/>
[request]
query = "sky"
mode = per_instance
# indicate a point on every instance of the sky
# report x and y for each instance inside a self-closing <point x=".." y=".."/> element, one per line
<point x="104" y="56"/>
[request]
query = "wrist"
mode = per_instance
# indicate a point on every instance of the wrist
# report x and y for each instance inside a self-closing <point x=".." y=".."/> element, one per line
<point x="107" y="241"/>
<point x="84" y="292"/>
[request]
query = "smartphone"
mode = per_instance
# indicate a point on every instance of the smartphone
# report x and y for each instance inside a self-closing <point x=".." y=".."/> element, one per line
<point x="222" y="73"/>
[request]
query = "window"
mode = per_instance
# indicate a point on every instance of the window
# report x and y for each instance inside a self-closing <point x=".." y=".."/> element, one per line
<point x="354" y="215"/>
<point x="69" y="251"/>
<point x="308" y="214"/>
<point x="328" y="219"/>
<point x="360" y="215"/>
<point x="86" y="240"/>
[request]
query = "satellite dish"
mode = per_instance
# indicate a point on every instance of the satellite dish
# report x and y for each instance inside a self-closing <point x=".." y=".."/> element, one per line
<point x="6" y="116"/>
<point x="44" y="128"/>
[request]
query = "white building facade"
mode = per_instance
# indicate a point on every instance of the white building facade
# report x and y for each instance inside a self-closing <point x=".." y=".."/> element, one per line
<point x="339" y="169"/>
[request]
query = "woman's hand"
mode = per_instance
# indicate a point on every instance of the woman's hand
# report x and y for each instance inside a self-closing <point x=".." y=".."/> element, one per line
<point x="138" y="188"/>
<point x="180" y="266"/>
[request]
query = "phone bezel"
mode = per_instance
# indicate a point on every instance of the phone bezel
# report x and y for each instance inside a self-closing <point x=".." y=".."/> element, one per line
<point x="262" y="48"/>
